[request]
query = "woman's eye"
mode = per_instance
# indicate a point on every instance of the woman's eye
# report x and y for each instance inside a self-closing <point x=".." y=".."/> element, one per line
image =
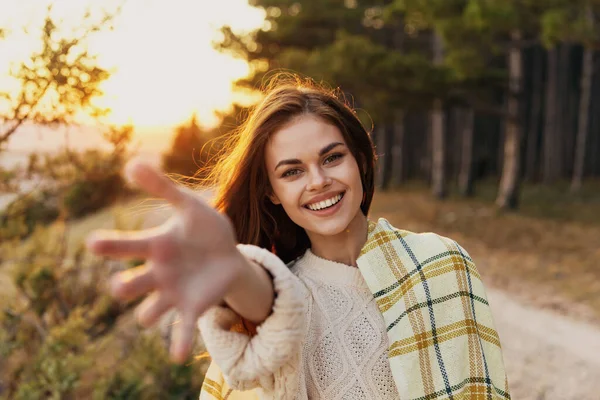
<point x="290" y="172"/>
<point x="333" y="157"/>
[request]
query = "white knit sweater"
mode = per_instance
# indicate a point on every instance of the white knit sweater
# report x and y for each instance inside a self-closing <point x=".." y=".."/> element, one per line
<point x="325" y="338"/>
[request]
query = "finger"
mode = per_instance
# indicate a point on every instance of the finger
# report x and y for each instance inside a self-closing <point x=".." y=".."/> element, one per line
<point x="154" y="182"/>
<point x="121" y="244"/>
<point x="133" y="283"/>
<point x="183" y="337"/>
<point x="151" y="309"/>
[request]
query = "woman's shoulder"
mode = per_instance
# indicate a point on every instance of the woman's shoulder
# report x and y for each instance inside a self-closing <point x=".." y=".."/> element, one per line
<point x="294" y="265"/>
<point x="426" y="244"/>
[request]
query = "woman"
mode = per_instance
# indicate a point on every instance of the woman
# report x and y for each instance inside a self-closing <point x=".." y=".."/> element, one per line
<point x="344" y="307"/>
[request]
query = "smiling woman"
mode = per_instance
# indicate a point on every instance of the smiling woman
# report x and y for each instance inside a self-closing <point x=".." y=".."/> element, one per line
<point x="321" y="180"/>
<point x="346" y="306"/>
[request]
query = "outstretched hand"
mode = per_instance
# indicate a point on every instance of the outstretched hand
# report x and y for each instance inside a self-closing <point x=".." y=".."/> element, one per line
<point x="190" y="261"/>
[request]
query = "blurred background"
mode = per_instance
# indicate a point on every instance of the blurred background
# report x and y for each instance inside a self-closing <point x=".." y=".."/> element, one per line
<point x="485" y="114"/>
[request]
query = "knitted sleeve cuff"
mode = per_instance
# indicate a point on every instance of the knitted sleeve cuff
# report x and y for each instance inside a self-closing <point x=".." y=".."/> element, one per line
<point x="249" y="362"/>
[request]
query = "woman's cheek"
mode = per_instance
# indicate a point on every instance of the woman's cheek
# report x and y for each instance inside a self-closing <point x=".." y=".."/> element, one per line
<point x="290" y="193"/>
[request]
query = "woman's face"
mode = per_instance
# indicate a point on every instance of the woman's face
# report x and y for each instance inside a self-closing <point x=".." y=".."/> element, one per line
<point x="314" y="176"/>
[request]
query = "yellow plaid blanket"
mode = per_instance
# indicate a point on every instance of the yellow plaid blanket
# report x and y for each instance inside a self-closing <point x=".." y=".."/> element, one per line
<point x="443" y="344"/>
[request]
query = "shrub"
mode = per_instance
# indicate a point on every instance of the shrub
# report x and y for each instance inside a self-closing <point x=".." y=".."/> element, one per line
<point x="86" y="196"/>
<point x="63" y="337"/>
<point x="21" y="216"/>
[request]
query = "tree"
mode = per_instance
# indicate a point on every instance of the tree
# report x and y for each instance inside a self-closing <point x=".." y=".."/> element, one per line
<point x="57" y="82"/>
<point x="464" y="75"/>
<point x="194" y="150"/>
<point x="509" y="183"/>
<point x="584" y="107"/>
<point x="187" y="152"/>
<point x="60" y="79"/>
<point x="465" y="176"/>
<point x="550" y="164"/>
<point x="533" y="129"/>
<point x="399" y="150"/>
<point x="353" y="45"/>
<point x="564" y="23"/>
<point x="438" y="131"/>
<point x="356" y="46"/>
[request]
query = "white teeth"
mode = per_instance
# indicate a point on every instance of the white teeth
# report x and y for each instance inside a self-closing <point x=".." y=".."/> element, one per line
<point x="325" y="203"/>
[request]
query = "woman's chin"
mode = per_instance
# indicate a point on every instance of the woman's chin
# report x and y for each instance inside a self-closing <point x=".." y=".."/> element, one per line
<point x="332" y="227"/>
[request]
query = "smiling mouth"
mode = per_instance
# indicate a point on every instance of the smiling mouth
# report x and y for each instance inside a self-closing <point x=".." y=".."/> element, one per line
<point x="327" y="207"/>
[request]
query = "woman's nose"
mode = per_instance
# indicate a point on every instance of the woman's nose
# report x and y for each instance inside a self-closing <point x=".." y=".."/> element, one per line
<point x="318" y="180"/>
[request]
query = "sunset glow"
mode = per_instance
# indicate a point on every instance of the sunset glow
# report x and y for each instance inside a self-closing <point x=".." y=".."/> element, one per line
<point x="164" y="66"/>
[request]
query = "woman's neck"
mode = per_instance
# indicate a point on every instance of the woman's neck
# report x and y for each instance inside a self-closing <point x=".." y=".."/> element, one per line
<point x="344" y="247"/>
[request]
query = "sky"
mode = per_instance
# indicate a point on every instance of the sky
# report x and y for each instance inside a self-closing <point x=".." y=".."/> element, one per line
<point x="164" y="66"/>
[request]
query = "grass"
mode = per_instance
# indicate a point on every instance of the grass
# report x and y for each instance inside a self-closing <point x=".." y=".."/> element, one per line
<point x="134" y="213"/>
<point x="546" y="253"/>
<point x="129" y="214"/>
<point x="555" y="202"/>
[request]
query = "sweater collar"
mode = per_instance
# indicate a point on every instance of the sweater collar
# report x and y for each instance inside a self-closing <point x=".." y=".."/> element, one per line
<point x="331" y="272"/>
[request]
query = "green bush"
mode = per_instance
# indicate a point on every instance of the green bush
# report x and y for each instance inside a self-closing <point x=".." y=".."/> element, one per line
<point x="22" y="215"/>
<point x="146" y="373"/>
<point x="86" y="196"/>
<point x="71" y="185"/>
<point x="55" y="370"/>
<point x="63" y="337"/>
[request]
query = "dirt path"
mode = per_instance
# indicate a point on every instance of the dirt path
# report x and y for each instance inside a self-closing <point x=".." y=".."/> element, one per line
<point x="547" y="355"/>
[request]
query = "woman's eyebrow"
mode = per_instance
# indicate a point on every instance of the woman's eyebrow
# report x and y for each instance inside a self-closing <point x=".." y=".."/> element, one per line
<point x="295" y="161"/>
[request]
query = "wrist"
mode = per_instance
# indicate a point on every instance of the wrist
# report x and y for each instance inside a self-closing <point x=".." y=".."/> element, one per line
<point x="241" y="273"/>
<point x="251" y="292"/>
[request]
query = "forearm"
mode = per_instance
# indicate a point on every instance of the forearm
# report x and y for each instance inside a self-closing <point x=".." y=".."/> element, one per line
<point x="251" y="295"/>
<point x="249" y="361"/>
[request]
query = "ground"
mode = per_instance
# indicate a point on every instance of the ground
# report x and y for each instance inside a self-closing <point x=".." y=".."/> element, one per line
<point x="546" y="355"/>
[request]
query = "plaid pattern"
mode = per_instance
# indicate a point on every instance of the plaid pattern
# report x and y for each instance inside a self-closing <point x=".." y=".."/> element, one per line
<point x="214" y="387"/>
<point x="443" y="344"/>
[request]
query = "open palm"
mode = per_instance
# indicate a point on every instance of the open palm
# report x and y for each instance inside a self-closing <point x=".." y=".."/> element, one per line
<point x="191" y="260"/>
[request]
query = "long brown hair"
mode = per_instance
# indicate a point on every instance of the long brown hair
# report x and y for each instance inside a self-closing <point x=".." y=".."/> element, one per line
<point x="240" y="176"/>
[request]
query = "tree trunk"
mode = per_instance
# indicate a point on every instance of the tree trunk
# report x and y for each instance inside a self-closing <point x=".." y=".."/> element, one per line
<point x="465" y="176"/>
<point x="508" y="195"/>
<point x="562" y="130"/>
<point x="379" y="140"/>
<point x="534" y="122"/>
<point x="398" y="148"/>
<point x="438" y="140"/>
<point x="569" y="141"/>
<point x="384" y="147"/>
<point x="584" y="113"/>
<point x="550" y="162"/>
<point x="592" y="159"/>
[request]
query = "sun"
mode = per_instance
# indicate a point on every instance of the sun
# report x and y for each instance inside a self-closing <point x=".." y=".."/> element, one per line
<point x="171" y="90"/>
<point x="162" y="63"/>
<point x="165" y="66"/>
